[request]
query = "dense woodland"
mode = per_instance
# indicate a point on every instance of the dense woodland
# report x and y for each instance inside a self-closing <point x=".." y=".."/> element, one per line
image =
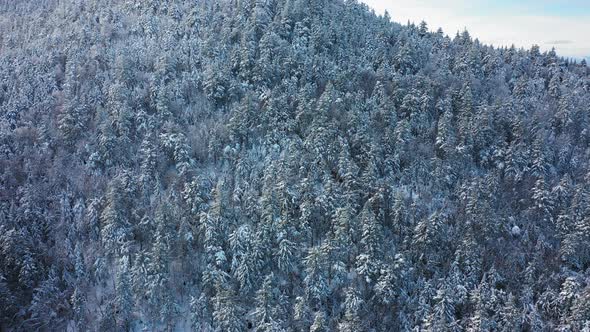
<point x="285" y="165"/>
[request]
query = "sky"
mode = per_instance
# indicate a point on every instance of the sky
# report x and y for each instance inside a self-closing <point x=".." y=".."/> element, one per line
<point x="564" y="25"/>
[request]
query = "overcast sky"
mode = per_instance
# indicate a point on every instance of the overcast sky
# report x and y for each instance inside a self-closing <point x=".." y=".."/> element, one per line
<point x="564" y="25"/>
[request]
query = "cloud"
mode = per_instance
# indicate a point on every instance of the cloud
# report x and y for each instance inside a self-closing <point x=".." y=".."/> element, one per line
<point x="559" y="42"/>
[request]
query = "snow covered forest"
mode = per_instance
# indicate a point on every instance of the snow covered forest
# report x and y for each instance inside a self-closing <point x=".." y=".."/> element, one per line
<point x="285" y="165"/>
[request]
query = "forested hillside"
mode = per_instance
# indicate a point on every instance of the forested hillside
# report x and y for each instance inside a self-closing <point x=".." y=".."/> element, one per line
<point x="285" y="165"/>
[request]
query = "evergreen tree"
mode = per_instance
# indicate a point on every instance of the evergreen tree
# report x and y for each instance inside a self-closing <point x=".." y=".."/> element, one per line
<point x="368" y="262"/>
<point x="352" y="319"/>
<point x="124" y="297"/>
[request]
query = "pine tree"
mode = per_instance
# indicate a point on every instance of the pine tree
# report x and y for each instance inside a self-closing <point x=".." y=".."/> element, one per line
<point x="444" y="311"/>
<point x="200" y="313"/>
<point x="319" y="323"/>
<point x="115" y="224"/>
<point x="286" y="253"/>
<point x="123" y="295"/>
<point x="352" y="312"/>
<point x="368" y="262"/>
<point x="345" y="230"/>
<point x="445" y="139"/>
<point x="158" y="278"/>
<point x="316" y="279"/>
<point x="577" y="226"/>
<point x="72" y="123"/>
<point x="78" y="302"/>
<point x="268" y="313"/>
<point x="227" y="313"/>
